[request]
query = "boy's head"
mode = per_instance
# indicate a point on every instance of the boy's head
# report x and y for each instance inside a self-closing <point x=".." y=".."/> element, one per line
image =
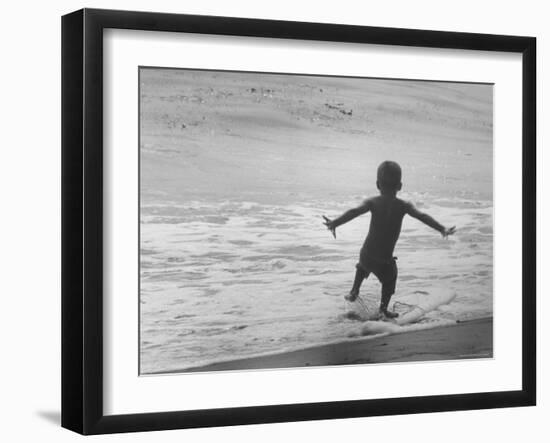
<point x="388" y="177"/>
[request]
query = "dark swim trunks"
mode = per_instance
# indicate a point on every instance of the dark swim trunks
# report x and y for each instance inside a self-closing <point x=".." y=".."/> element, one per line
<point x="384" y="270"/>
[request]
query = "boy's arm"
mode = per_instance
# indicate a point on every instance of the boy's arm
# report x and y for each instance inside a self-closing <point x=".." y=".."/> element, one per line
<point x="428" y="220"/>
<point x="347" y="216"/>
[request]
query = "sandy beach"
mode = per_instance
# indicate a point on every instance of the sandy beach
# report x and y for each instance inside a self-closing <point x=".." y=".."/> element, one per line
<point x="463" y="340"/>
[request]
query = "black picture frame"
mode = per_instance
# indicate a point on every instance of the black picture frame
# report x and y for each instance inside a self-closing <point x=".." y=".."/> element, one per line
<point x="82" y="219"/>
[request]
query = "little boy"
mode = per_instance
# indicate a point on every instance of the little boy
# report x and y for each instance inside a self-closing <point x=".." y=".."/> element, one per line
<point x="387" y="210"/>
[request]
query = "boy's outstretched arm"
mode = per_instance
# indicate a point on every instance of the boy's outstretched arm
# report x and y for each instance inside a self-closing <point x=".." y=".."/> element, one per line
<point x="429" y="220"/>
<point x="346" y="217"/>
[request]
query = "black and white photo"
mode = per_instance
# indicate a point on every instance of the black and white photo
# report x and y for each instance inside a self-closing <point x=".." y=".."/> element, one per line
<point x="241" y="174"/>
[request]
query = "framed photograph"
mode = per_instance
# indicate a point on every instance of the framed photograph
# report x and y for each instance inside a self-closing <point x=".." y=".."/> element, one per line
<point x="269" y="221"/>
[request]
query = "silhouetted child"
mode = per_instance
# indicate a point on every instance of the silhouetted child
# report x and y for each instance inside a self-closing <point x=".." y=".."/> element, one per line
<point x="387" y="211"/>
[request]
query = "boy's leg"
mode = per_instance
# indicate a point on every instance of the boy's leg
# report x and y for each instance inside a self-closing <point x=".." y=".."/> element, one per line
<point x="388" y="281"/>
<point x="384" y="302"/>
<point x="360" y="275"/>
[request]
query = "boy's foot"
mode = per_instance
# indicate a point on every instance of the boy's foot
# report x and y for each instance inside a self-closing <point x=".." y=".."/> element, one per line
<point x="388" y="314"/>
<point x="352" y="296"/>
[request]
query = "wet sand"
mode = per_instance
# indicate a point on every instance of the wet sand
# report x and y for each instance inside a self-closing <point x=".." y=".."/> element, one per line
<point x="465" y="340"/>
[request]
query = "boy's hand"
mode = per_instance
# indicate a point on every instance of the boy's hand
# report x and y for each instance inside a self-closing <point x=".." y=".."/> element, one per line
<point x="330" y="225"/>
<point x="448" y="231"/>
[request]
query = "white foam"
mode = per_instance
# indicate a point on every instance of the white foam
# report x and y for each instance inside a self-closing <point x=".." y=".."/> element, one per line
<point x="407" y="321"/>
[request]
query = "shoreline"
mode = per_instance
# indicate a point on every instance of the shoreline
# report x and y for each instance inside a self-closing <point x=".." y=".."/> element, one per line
<point x="471" y="339"/>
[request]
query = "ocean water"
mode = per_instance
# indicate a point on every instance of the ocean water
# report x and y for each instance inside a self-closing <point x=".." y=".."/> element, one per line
<point x="236" y="173"/>
<point x="221" y="280"/>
